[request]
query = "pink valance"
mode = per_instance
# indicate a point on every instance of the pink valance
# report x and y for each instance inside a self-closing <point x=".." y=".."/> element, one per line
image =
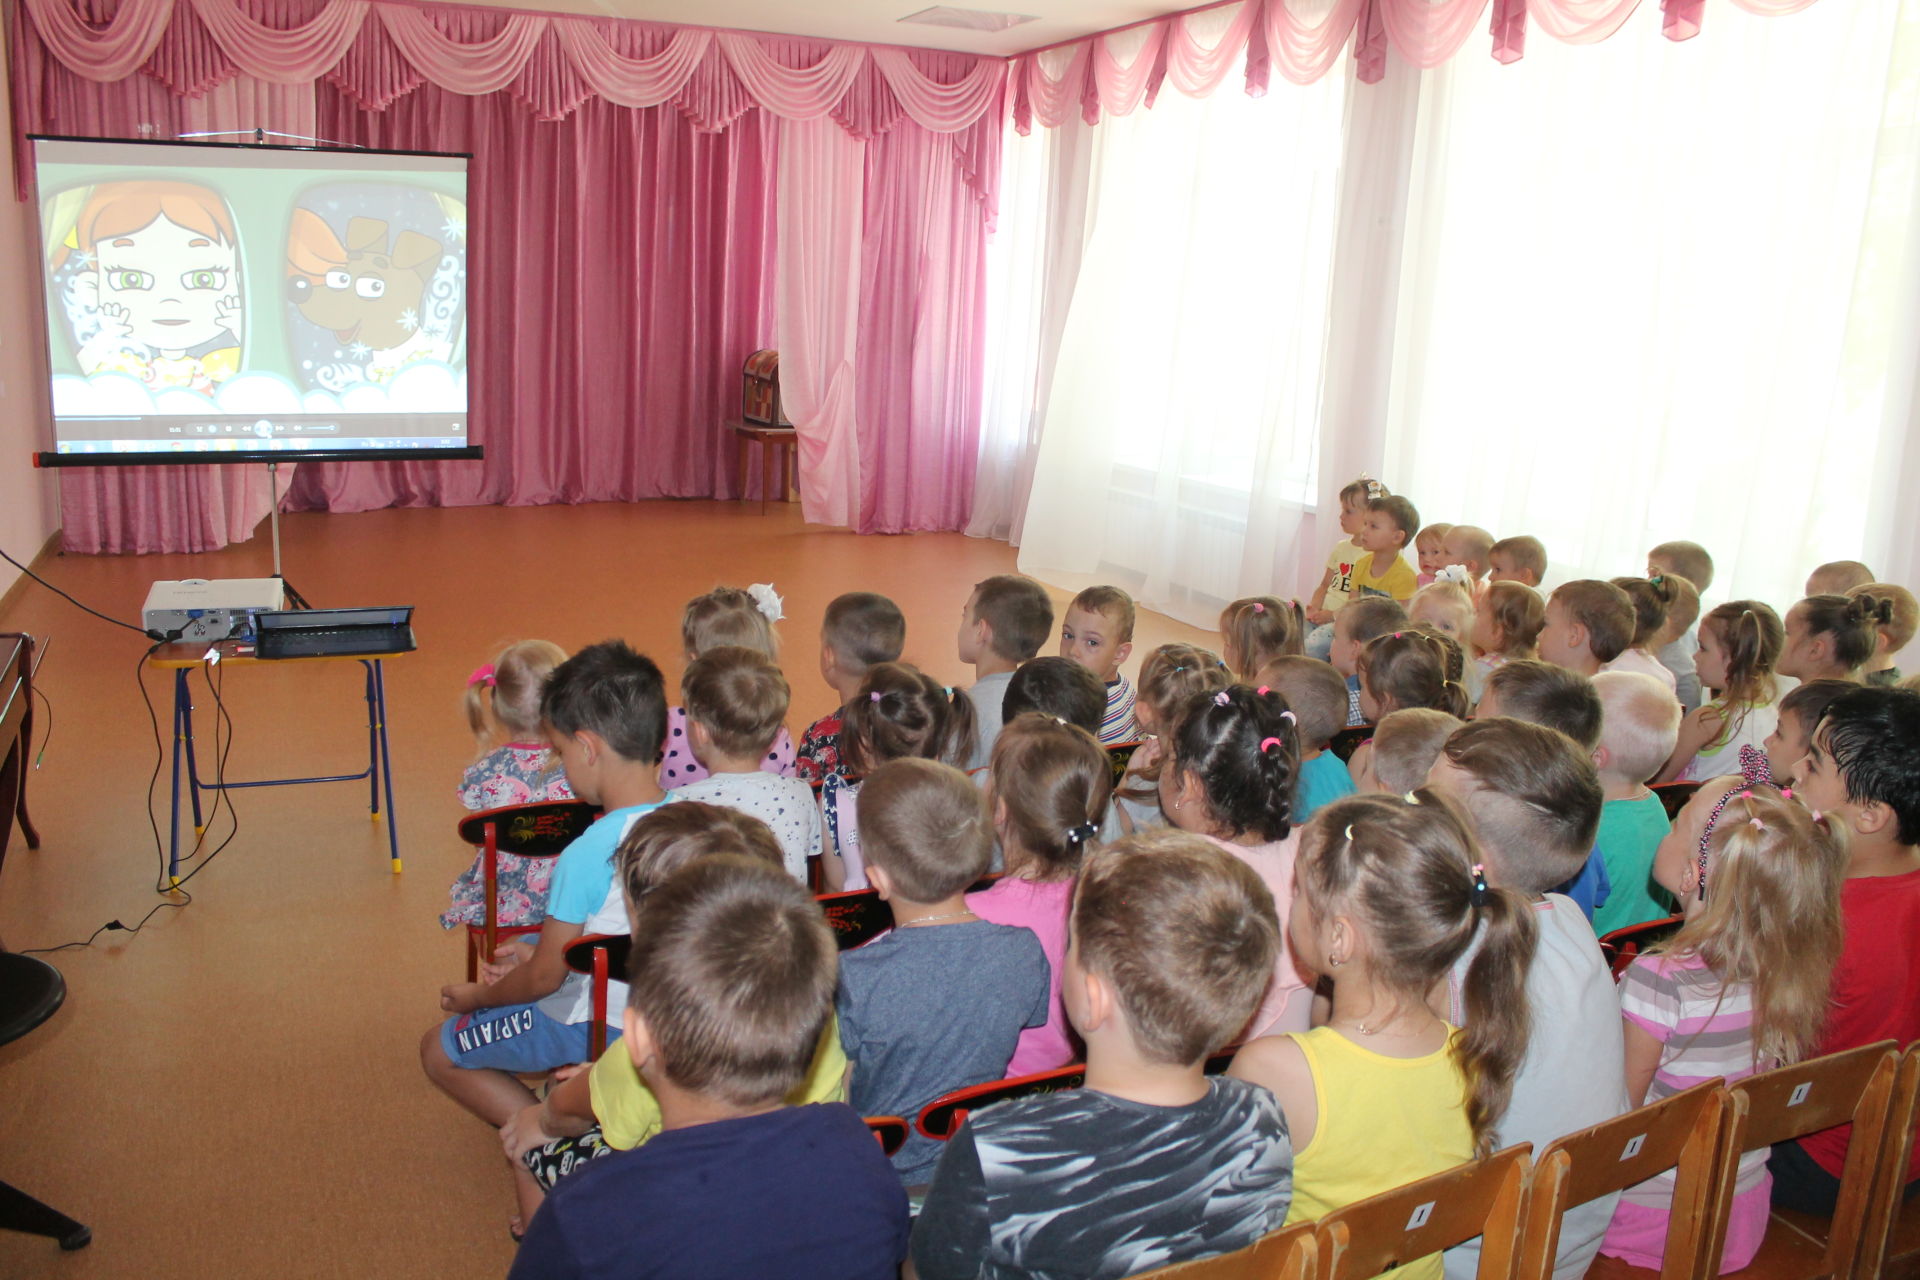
<point x="1302" y="40"/>
<point x="550" y="62"/>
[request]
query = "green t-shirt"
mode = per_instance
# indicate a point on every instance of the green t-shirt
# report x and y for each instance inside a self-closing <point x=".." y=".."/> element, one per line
<point x="1630" y="831"/>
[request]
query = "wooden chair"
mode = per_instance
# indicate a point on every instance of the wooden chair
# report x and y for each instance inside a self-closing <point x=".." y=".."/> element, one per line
<point x="1622" y="945"/>
<point x="1890" y="1236"/>
<point x="542" y="830"/>
<point x="1287" y="1254"/>
<point x="1855" y="1085"/>
<point x="890" y="1131"/>
<point x="1674" y="796"/>
<point x="1348" y="740"/>
<point x="1485" y="1198"/>
<point x="599" y="956"/>
<point x="1683" y="1131"/>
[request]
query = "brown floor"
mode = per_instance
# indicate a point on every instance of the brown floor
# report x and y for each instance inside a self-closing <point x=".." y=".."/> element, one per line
<point x="235" y="1092"/>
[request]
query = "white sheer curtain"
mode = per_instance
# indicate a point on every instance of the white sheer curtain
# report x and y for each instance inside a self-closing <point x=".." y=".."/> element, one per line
<point x="1654" y="290"/>
<point x="1184" y="399"/>
<point x="1609" y="295"/>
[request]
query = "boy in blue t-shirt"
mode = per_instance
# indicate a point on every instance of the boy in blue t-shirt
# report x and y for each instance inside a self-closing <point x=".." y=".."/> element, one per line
<point x="606" y="714"/>
<point x="734" y="981"/>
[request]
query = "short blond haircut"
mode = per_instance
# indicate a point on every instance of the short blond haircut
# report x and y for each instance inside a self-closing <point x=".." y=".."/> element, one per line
<point x="727" y="616"/>
<point x="1405" y="745"/>
<point x="1111" y="603"/>
<point x="1905" y="610"/>
<point x="1433" y="535"/>
<point x="1474" y="544"/>
<point x="1688" y="559"/>
<point x="740" y="697"/>
<point x="1447" y="599"/>
<point x="1185" y="933"/>
<point x="1639" y="724"/>
<point x="1526" y="552"/>
<point x="1838" y="578"/>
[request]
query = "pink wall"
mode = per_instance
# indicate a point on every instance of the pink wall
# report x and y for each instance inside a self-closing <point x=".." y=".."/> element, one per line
<point x="27" y="505"/>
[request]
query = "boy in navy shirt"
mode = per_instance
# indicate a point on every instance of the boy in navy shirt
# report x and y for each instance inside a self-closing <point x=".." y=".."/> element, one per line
<point x="733" y="977"/>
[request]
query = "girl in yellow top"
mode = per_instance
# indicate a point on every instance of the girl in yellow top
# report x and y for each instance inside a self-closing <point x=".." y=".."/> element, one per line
<point x="1389" y="894"/>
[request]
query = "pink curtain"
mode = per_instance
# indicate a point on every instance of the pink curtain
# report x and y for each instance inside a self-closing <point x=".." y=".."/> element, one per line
<point x="625" y="187"/>
<point x="1302" y="39"/>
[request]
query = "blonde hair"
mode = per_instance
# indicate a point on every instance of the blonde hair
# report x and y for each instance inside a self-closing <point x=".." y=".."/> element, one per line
<point x="1432" y="536"/>
<point x="1519" y="614"/>
<point x="1838" y="577"/>
<point x="1639" y="723"/>
<point x="1477" y="544"/>
<point x="727" y="616"/>
<point x="739" y="695"/>
<point x="1448" y="599"/>
<point x="1772" y="920"/>
<point x="505" y="701"/>
<point x="1526" y="551"/>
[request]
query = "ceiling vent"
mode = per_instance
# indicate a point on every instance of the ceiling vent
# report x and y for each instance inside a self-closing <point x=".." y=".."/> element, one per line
<point x="942" y="15"/>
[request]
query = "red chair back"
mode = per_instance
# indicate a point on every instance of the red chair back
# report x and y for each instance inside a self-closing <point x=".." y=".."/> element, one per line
<point x="540" y="830"/>
<point x="856" y="917"/>
<point x="1348" y="740"/>
<point x="1674" y="796"/>
<point x="943" y="1117"/>
<point x="1622" y="945"/>
<point x="599" y="956"/>
<point x="889" y="1131"/>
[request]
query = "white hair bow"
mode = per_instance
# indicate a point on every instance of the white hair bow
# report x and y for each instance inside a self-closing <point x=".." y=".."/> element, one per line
<point x="1454" y="573"/>
<point x="767" y="601"/>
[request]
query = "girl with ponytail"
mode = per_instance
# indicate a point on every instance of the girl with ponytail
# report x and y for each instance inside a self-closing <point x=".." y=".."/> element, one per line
<point x="1832" y="637"/>
<point x="1391" y="894"/>
<point x="1740" y="645"/>
<point x="1230" y="762"/>
<point x="1048" y="786"/>
<point x="502" y="702"/>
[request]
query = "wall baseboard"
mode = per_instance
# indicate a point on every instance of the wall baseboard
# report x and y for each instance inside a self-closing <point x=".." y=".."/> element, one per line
<point x="21" y="580"/>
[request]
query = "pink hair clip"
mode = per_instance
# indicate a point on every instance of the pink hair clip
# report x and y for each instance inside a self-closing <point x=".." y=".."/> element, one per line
<point x="482" y="675"/>
<point x="1756" y="824"/>
<point x="1818" y="816"/>
<point x="1289" y="717"/>
<point x="1258" y="607"/>
<point x="1263" y="690"/>
<point x="874" y="695"/>
<point x="1220" y="699"/>
<point x="1267" y="744"/>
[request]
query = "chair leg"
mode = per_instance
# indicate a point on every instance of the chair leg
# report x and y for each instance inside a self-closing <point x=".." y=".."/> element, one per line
<point x="21" y="1212"/>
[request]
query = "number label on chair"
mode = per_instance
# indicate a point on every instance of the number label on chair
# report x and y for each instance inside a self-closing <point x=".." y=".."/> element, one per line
<point x="1420" y="1216"/>
<point x="1800" y="1092"/>
<point x="1633" y="1146"/>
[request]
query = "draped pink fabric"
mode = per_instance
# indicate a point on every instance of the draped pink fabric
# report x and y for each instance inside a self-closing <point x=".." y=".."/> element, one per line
<point x="1302" y="40"/>
<point x="626" y="193"/>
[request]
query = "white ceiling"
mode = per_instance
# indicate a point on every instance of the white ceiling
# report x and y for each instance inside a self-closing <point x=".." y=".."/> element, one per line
<point x="877" y="21"/>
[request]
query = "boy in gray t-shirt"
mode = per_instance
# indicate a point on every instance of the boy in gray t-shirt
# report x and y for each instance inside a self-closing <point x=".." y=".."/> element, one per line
<point x="939" y="1003"/>
<point x="1153" y="1162"/>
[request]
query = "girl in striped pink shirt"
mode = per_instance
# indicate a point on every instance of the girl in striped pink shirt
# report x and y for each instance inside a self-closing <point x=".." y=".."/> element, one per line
<point x="1741" y="988"/>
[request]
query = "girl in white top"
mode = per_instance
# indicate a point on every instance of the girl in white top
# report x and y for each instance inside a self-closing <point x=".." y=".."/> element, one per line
<point x="1739" y="644"/>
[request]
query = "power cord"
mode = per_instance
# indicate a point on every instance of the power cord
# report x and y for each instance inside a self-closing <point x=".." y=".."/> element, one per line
<point x="154" y="634"/>
<point x="221" y="750"/>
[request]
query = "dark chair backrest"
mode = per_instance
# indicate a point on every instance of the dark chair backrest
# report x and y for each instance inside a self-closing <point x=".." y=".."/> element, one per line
<point x="891" y="1131"/>
<point x="1622" y="945"/>
<point x="857" y="916"/>
<point x="1674" y="796"/>
<point x="943" y="1117"/>
<point x="1117" y="756"/>
<point x="1348" y="740"/>
<point x="541" y="830"/>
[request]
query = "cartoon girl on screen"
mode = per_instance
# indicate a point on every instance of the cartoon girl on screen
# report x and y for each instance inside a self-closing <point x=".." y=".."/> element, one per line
<point x="155" y="294"/>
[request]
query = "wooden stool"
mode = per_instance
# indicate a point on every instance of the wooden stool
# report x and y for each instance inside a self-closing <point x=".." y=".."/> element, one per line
<point x="781" y="442"/>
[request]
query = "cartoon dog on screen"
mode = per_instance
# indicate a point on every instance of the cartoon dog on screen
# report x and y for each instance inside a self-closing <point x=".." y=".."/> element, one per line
<point x="155" y="293"/>
<point x="370" y="296"/>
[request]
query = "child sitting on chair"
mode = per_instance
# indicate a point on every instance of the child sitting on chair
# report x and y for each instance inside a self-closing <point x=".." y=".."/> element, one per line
<point x="1863" y="773"/>
<point x="736" y="702"/>
<point x="1318" y="697"/>
<point x="606" y="1108"/>
<point x="1389" y="531"/>
<point x="1691" y="561"/>
<point x="1652" y="599"/>
<point x="1169" y="676"/>
<point x="1057" y="687"/>
<point x="725" y="616"/>
<point x="517" y="767"/>
<point x="939" y="1002"/>
<point x="1589" y="624"/>
<point x="733" y="979"/>
<point x="1255" y="630"/>
<point x="1358" y="625"/>
<point x="1522" y="559"/>
<point x="1003" y="624"/>
<point x="1639" y="724"/>
<point x="605" y="710"/>
<point x="860" y="631"/>
<point x="1152" y="1162"/>
<point x="1533" y="800"/>
<point x="1097" y="633"/>
<point x="1336" y="584"/>
<point x="1470" y="547"/>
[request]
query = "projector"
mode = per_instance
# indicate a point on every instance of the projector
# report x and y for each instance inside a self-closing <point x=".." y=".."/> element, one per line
<point x="200" y="609"/>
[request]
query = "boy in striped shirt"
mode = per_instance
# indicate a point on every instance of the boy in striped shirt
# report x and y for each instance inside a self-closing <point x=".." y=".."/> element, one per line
<point x="1098" y="634"/>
